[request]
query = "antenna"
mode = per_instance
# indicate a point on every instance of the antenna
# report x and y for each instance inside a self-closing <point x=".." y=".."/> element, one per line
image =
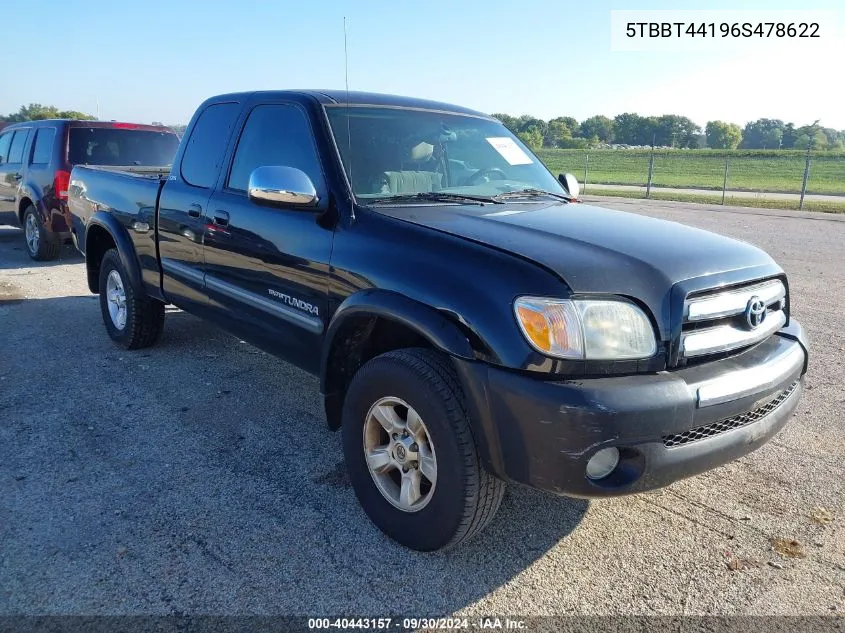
<point x="348" y="124"/>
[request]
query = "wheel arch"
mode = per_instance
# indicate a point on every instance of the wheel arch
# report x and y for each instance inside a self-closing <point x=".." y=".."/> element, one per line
<point x="372" y="322"/>
<point x="25" y="202"/>
<point x="104" y="232"/>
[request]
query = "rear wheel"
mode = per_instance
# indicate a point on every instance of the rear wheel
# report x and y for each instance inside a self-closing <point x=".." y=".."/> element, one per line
<point x="133" y="320"/>
<point x="410" y="452"/>
<point x="40" y="245"/>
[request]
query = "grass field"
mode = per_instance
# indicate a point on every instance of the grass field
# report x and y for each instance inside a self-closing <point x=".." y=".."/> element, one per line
<point x="759" y="171"/>
<point x="821" y="206"/>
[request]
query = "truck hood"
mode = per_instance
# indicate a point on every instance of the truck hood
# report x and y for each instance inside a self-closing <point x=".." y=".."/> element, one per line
<point x="597" y="250"/>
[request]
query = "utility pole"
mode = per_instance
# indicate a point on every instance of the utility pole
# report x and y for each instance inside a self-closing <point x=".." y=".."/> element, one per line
<point x="810" y="141"/>
<point x="586" y="163"/>
<point x="650" y="167"/>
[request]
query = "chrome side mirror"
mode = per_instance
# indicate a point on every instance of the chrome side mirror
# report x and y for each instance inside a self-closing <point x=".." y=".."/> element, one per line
<point x="279" y="186"/>
<point x="570" y="183"/>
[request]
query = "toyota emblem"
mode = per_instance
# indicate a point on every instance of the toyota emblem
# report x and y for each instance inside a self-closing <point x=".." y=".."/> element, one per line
<point x="755" y="312"/>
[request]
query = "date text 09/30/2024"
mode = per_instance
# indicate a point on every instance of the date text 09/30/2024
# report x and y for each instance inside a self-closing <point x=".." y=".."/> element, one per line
<point x="413" y="624"/>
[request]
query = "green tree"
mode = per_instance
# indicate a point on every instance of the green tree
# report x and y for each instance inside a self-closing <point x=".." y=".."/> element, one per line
<point x="675" y="131"/>
<point x="37" y="112"/>
<point x="633" y="129"/>
<point x="526" y="122"/>
<point x="787" y="139"/>
<point x="570" y="122"/>
<point x="557" y="132"/>
<point x="532" y="137"/>
<point x="722" y="135"/>
<point x="599" y="126"/>
<point x="762" y="134"/>
<point x="75" y="114"/>
<point x="835" y="138"/>
<point x="811" y="136"/>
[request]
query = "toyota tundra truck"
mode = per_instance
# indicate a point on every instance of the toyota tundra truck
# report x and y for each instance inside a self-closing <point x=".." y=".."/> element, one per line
<point x="472" y="322"/>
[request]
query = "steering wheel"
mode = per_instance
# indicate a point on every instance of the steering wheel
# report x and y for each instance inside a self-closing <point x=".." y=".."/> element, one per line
<point x="486" y="175"/>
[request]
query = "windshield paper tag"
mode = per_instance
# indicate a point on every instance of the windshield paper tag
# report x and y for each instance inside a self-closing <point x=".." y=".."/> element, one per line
<point x="509" y="150"/>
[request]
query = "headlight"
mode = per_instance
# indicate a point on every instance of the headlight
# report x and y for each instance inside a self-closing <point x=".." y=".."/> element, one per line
<point x="591" y="329"/>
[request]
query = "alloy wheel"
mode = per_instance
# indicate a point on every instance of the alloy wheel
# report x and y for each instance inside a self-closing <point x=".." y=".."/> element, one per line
<point x="399" y="454"/>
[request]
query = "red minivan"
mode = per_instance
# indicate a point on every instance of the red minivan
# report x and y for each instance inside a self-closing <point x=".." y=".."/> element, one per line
<point x="36" y="158"/>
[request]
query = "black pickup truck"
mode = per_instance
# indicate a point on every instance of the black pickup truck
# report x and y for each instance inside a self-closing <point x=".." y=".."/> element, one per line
<point x="471" y="321"/>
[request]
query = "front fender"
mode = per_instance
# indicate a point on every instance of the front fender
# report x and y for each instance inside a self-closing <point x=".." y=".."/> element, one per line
<point x="119" y="235"/>
<point x="442" y="333"/>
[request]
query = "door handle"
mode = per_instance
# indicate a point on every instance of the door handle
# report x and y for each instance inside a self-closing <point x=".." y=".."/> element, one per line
<point x="221" y="218"/>
<point x="194" y="210"/>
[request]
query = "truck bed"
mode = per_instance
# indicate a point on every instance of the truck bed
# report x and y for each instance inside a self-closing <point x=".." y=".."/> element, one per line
<point x="124" y="196"/>
<point x="127" y="193"/>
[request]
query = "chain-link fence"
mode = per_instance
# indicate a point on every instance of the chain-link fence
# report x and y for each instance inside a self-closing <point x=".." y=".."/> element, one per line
<point x="786" y="179"/>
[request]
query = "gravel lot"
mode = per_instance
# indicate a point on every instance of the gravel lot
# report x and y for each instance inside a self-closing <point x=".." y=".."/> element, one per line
<point x="199" y="477"/>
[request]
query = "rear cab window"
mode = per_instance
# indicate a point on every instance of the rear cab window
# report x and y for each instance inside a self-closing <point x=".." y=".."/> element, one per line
<point x="204" y="153"/>
<point x="121" y="146"/>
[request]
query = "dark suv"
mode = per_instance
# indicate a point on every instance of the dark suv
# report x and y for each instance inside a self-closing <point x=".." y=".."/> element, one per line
<point x="36" y="158"/>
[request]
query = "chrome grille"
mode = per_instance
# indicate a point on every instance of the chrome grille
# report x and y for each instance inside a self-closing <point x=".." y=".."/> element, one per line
<point x="728" y="424"/>
<point x="716" y="323"/>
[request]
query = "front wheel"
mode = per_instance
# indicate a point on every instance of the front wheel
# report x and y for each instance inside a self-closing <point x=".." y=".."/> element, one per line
<point x="410" y="453"/>
<point x="133" y="320"/>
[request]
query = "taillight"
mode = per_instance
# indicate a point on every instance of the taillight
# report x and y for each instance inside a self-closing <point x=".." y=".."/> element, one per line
<point x="61" y="183"/>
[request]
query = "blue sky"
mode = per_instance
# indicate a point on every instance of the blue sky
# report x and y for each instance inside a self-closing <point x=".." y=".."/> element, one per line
<point x="156" y="60"/>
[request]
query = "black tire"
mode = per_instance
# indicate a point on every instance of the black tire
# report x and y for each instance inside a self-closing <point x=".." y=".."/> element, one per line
<point x="144" y="316"/>
<point x="466" y="497"/>
<point x="47" y="246"/>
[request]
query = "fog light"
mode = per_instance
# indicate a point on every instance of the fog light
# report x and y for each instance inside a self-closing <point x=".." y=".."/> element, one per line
<point x="602" y="463"/>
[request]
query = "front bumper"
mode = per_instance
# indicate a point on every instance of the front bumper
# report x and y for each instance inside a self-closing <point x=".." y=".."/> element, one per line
<point x="667" y="426"/>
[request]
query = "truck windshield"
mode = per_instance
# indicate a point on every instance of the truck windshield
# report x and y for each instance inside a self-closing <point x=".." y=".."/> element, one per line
<point x="389" y="152"/>
<point x="119" y="146"/>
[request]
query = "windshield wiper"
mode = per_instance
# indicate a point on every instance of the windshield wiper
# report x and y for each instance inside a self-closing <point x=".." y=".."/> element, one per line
<point x="531" y="193"/>
<point x="436" y="196"/>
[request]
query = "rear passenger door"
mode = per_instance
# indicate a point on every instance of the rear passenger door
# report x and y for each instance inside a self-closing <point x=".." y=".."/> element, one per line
<point x="267" y="268"/>
<point x="11" y="171"/>
<point x="182" y="207"/>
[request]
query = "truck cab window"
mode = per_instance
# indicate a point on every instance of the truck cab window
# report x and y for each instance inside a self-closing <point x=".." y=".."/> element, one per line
<point x="204" y="153"/>
<point x="275" y="135"/>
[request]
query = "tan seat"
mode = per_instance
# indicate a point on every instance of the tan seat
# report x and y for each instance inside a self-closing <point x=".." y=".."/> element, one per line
<point x="413" y="181"/>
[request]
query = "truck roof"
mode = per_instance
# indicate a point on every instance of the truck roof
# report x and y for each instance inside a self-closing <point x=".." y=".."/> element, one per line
<point x="355" y="98"/>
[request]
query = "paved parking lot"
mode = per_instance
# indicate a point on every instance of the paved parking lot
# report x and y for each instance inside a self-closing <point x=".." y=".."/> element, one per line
<point x="199" y="477"/>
